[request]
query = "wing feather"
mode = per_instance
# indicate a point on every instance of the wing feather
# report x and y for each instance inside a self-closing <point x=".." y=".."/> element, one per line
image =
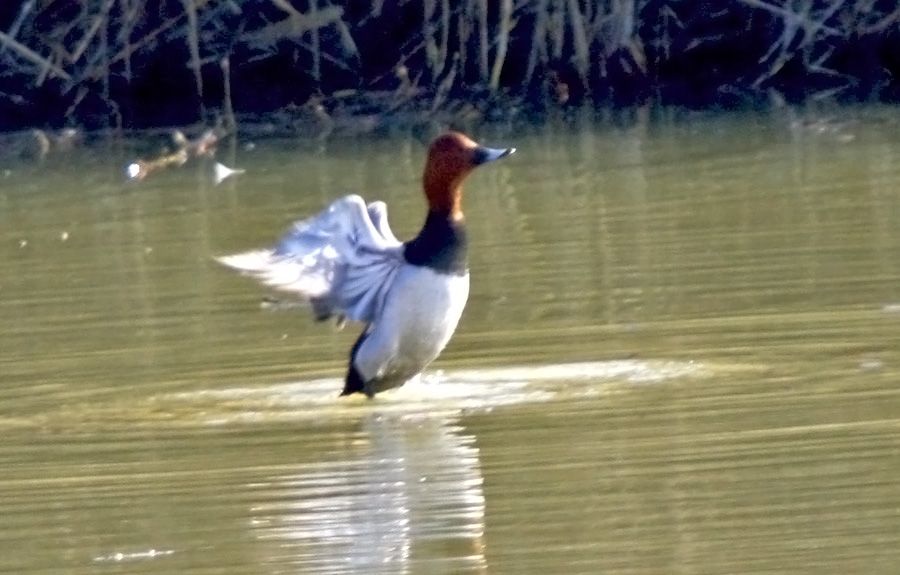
<point x="342" y="260"/>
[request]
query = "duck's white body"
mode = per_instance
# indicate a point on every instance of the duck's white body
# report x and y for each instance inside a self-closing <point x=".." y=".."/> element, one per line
<point x="420" y="314"/>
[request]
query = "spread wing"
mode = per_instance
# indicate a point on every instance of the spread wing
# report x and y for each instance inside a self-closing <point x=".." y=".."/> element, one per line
<point x="342" y="260"/>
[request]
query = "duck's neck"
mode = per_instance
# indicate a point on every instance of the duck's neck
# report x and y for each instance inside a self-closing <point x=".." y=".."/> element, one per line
<point x="443" y="192"/>
<point x="442" y="243"/>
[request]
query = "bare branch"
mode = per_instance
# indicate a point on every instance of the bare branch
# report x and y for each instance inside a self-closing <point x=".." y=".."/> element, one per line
<point x="32" y="56"/>
<point x="295" y="25"/>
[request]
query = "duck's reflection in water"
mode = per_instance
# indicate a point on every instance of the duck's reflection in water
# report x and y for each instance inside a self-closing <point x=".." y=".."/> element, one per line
<point x="407" y="498"/>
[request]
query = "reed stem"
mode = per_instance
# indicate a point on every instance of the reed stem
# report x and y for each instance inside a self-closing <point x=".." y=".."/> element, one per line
<point x="504" y="29"/>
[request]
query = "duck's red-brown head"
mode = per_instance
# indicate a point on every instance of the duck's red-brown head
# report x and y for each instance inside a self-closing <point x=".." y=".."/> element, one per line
<point x="451" y="157"/>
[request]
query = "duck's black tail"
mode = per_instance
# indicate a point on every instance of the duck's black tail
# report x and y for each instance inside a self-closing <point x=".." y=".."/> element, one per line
<point x="354" y="383"/>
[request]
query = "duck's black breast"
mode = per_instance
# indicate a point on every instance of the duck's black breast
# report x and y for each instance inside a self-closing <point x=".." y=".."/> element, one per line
<point x="441" y="245"/>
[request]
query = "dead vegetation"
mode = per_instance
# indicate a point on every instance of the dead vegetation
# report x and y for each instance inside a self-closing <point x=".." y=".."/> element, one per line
<point x="136" y="62"/>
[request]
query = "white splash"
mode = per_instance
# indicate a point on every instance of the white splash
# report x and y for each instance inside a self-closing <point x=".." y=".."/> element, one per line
<point x="436" y="394"/>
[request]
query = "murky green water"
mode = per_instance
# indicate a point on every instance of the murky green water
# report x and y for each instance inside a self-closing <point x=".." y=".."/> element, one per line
<point x="681" y="355"/>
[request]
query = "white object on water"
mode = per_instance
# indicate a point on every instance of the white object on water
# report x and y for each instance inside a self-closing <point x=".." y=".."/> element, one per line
<point x="223" y="172"/>
<point x="133" y="170"/>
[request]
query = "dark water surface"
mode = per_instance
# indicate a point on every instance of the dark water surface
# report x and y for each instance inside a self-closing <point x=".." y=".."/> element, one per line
<point x="681" y="354"/>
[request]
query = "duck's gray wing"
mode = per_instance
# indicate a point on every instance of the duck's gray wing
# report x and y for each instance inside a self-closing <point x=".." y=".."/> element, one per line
<point x="342" y="260"/>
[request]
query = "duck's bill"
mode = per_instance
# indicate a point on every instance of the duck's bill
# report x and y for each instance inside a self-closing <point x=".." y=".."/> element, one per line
<point x="484" y="155"/>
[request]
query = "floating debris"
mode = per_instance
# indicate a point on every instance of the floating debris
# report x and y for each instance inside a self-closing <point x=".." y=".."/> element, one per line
<point x="140" y="169"/>
<point x="223" y="172"/>
<point x="66" y="139"/>
<point x="41" y="144"/>
<point x="23" y="244"/>
<point x="203" y="146"/>
<point x="64" y="236"/>
<point x="44" y="142"/>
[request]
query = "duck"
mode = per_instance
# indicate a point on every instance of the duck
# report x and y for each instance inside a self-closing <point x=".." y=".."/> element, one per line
<point x="347" y="264"/>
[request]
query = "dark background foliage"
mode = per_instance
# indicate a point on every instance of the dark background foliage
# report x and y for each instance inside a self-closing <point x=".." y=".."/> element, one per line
<point x="141" y="63"/>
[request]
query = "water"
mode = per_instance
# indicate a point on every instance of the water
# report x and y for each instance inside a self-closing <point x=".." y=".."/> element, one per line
<point x="680" y="355"/>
